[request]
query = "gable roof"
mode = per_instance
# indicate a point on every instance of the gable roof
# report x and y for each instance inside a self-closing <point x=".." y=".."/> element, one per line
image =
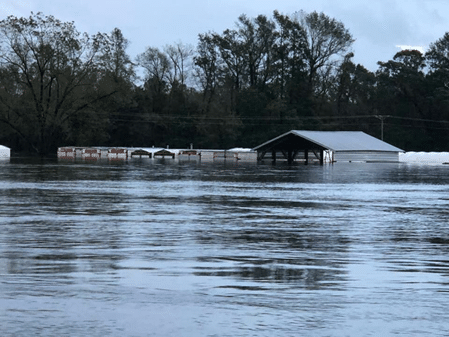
<point x="332" y="140"/>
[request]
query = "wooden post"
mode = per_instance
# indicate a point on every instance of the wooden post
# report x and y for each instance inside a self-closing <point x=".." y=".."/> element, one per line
<point x="321" y="157"/>
<point x="306" y="156"/>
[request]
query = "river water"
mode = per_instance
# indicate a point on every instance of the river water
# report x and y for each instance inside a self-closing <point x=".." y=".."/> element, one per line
<point x="163" y="248"/>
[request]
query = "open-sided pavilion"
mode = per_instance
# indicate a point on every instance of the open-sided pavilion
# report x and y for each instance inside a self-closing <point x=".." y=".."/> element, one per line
<point x="338" y="145"/>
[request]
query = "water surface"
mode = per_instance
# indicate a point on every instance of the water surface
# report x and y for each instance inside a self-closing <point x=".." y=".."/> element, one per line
<point x="162" y="248"/>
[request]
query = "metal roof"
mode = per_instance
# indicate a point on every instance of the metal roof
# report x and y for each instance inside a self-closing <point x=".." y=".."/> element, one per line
<point x="339" y="140"/>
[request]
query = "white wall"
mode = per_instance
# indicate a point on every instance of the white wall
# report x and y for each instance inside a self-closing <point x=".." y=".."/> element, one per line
<point x="5" y="152"/>
<point x="368" y="156"/>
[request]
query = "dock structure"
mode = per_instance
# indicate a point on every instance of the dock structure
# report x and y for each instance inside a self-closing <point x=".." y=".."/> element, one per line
<point x="155" y="153"/>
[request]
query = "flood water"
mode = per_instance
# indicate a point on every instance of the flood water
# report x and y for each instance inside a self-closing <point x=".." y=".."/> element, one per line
<point x="143" y="248"/>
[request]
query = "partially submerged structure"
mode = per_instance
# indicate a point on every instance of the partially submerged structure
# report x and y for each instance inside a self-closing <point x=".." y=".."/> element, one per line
<point x="100" y="153"/>
<point x="5" y="152"/>
<point x="328" y="146"/>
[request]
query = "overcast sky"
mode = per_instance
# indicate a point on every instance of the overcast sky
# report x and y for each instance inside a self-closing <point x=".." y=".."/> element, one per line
<point x="378" y="26"/>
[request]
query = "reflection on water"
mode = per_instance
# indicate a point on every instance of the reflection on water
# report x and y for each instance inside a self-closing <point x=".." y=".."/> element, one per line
<point x="144" y="248"/>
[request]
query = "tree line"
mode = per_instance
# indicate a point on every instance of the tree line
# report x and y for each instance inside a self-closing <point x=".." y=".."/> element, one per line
<point x="262" y="77"/>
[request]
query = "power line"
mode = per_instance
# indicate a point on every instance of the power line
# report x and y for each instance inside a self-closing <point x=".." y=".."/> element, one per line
<point x="268" y="118"/>
<point x="278" y="123"/>
<point x="419" y="119"/>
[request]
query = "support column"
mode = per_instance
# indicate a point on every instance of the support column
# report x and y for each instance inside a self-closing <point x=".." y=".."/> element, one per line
<point x="321" y="157"/>
<point x="290" y="156"/>
<point x="306" y="156"/>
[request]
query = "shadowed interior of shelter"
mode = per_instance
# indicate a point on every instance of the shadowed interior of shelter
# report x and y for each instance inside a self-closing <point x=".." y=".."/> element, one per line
<point x="290" y="146"/>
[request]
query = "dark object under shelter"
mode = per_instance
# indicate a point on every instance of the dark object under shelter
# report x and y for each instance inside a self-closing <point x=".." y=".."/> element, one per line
<point x="328" y="146"/>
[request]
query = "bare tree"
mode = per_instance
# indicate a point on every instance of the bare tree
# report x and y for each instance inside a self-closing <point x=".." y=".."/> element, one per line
<point x="181" y="57"/>
<point x="50" y="74"/>
<point x="327" y="40"/>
